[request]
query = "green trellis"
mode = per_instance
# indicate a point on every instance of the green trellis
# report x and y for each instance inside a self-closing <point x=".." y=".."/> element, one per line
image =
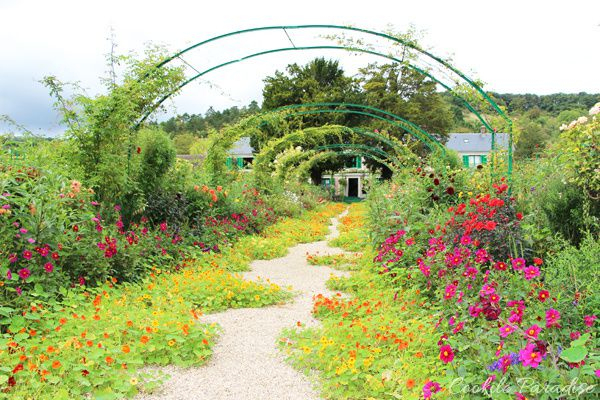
<point x="446" y="67"/>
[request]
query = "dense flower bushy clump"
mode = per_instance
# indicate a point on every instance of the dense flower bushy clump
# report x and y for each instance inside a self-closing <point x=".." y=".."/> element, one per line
<point x="494" y="308"/>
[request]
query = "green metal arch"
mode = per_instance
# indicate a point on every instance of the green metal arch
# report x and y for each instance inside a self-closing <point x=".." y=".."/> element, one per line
<point x="421" y="71"/>
<point x="356" y="152"/>
<point x="407" y="43"/>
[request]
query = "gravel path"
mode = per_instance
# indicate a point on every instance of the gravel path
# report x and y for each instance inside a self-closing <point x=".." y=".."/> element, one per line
<point x="246" y="364"/>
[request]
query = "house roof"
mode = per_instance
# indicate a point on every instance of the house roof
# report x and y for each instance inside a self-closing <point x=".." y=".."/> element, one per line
<point x="242" y="148"/>
<point x="465" y="142"/>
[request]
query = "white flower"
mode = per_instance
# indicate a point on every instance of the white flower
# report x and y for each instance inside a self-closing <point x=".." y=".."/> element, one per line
<point x="582" y="120"/>
<point x="563" y="127"/>
<point x="596" y="109"/>
<point x="572" y="124"/>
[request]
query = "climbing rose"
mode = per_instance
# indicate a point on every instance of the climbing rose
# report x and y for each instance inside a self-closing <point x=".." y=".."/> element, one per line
<point x="446" y="354"/>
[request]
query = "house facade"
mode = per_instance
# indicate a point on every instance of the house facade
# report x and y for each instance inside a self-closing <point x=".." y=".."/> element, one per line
<point x="474" y="148"/>
<point x="349" y="182"/>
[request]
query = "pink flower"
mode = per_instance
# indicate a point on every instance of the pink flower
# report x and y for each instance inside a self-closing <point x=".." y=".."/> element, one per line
<point x="13" y="258"/>
<point x="520" y="396"/>
<point x="430" y="388"/>
<point x="9" y="274"/>
<point x="589" y="320"/>
<point x="27" y="254"/>
<point x="597" y="372"/>
<point x="506" y="330"/>
<point x="488" y="382"/>
<point x="533" y="331"/>
<point x="531" y="272"/>
<point x="487" y="290"/>
<point x="552" y="317"/>
<point x="494" y="298"/>
<point x="459" y="327"/>
<point x="450" y="291"/>
<point x="529" y="357"/>
<point x="163" y="226"/>
<point x="24" y="273"/>
<point x="446" y="354"/>
<point x="465" y="240"/>
<point x="575" y="335"/>
<point x="48" y="267"/>
<point x="518" y="264"/>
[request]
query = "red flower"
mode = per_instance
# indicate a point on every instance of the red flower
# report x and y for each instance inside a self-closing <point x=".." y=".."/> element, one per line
<point x="139" y="150"/>
<point x="519" y="216"/>
<point x="446" y="354"/>
<point x="543" y="295"/>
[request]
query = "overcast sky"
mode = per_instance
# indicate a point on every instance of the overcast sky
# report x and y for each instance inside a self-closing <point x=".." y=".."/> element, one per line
<point x="518" y="46"/>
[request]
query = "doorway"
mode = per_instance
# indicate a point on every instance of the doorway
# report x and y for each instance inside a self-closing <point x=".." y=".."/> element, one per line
<point x="352" y="187"/>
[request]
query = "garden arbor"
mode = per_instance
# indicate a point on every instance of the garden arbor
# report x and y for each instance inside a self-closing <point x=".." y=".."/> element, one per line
<point x="399" y="49"/>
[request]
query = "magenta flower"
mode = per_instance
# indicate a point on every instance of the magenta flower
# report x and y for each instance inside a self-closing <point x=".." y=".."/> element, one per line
<point x="459" y="327"/>
<point x="533" y="331"/>
<point x="450" y="291"/>
<point x="518" y="264"/>
<point x="506" y="330"/>
<point x="529" y="357"/>
<point x="487" y="290"/>
<point x="488" y="382"/>
<point x="27" y="254"/>
<point x="531" y="272"/>
<point x="430" y="388"/>
<point x="494" y="298"/>
<point x="13" y="258"/>
<point x="520" y="396"/>
<point x="48" y="267"/>
<point x="465" y="240"/>
<point x="589" y="320"/>
<point x="19" y="290"/>
<point x="446" y="354"/>
<point x="8" y="274"/>
<point x="543" y="295"/>
<point x="597" y="372"/>
<point x="24" y="273"/>
<point x="552" y="317"/>
<point x="163" y="226"/>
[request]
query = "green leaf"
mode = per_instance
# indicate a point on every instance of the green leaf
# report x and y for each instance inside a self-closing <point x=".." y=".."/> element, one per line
<point x="3" y="379"/>
<point x="581" y="341"/>
<point x="574" y="354"/>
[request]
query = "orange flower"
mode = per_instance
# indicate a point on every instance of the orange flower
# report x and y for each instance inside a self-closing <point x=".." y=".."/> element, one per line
<point x="56" y="365"/>
<point x="125" y="349"/>
<point x="109" y="360"/>
<point x="144" y="339"/>
<point x="130" y="323"/>
<point x="205" y="342"/>
<point x="62" y="321"/>
<point x="418" y="354"/>
<point x="97" y="300"/>
<point x="50" y="349"/>
<point x="97" y="317"/>
<point x="410" y="383"/>
<point x="89" y="343"/>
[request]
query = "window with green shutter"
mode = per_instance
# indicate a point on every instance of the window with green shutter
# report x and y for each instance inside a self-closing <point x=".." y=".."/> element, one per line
<point x="466" y="161"/>
<point x="240" y="162"/>
<point x="358" y="162"/>
<point x="484" y="159"/>
<point x="229" y="162"/>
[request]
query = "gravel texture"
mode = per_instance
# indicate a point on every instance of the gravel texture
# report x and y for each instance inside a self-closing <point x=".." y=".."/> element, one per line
<point x="246" y="363"/>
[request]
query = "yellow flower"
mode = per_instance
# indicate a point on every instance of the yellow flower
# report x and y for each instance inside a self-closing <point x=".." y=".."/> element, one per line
<point x="171" y="342"/>
<point x="133" y="381"/>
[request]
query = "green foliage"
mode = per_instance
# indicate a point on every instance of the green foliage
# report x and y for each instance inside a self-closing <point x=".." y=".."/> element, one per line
<point x="157" y="156"/>
<point x="574" y="272"/>
<point x="101" y="127"/>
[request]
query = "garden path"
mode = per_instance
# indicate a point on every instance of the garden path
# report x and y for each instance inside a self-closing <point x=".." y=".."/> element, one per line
<point x="246" y="364"/>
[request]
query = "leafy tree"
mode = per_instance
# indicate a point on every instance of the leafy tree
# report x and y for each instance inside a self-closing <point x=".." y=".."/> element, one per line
<point x="102" y="126"/>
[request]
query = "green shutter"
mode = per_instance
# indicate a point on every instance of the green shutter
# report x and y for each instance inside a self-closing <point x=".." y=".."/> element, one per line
<point x="483" y="159"/>
<point x="466" y="161"/>
<point x="358" y="162"/>
<point x="229" y="163"/>
<point x="240" y="162"/>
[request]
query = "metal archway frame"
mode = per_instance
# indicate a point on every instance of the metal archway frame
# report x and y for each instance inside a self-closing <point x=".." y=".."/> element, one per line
<point x="395" y="40"/>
